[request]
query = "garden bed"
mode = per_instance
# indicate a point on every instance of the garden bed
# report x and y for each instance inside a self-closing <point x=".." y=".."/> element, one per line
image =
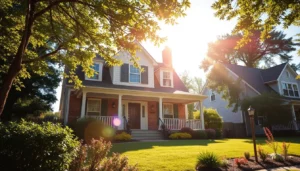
<point x="269" y="163"/>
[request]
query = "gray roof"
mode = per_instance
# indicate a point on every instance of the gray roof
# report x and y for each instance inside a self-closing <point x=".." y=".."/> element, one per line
<point x="257" y="78"/>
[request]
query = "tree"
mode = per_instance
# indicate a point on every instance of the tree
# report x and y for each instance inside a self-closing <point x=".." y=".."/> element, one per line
<point x="271" y="106"/>
<point x="252" y="53"/>
<point x="254" y="15"/>
<point x="35" y="96"/>
<point x="70" y="32"/>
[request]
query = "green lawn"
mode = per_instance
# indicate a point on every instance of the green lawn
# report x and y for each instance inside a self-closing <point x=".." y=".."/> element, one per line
<point x="181" y="154"/>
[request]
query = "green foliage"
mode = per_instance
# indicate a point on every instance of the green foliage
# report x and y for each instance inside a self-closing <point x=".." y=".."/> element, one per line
<point x="187" y="130"/>
<point x="262" y="153"/>
<point x="212" y="119"/>
<point x="196" y="115"/>
<point x="247" y="155"/>
<point x="208" y="160"/>
<point x="270" y="106"/>
<point x="219" y="133"/>
<point x="190" y="110"/>
<point x="285" y="149"/>
<point x="199" y="134"/>
<point x="93" y="156"/>
<point x="179" y="135"/>
<point x="123" y="137"/>
<point x="249" y="15"/>
<point x="90" y="128"/>
<point x="253" y="53"/>
<point x="211" y="133"/>
<point x="219" y="80"/>
<point x="29" y="146"/>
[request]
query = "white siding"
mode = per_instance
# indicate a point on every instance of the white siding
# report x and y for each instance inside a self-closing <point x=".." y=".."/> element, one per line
<point x="144" y="60"/>
<point x="284" y="78"/>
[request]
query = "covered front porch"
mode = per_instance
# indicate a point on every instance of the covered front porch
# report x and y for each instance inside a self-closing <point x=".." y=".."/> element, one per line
<point x="139" y="110"/>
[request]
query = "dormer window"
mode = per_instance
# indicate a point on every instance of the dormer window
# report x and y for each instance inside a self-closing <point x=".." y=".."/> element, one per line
<point x="167" y="79"/>
<point x="134" y="74"/>
<point x="290" y="89"/>
<point x="97" y="72"/>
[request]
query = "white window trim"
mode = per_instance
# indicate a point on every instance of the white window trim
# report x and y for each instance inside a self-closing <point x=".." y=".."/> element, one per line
<point x="263" y="119"/>
<point x="171" y="108"/>
<point x="162" y="78"/>
<point x="99" y="72"/>
<point x="87" y="109"/>
<point x="292" y="83"/>
<point x="135" y="74"/>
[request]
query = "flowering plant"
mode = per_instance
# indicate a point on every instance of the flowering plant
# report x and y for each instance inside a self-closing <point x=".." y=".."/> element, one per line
<point x="240" y="161"/>
<point x="270" y="140"/>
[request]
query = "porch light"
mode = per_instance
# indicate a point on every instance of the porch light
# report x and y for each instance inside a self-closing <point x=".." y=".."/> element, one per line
<point x="113" y="105"/>
<point x="251" y="111"/>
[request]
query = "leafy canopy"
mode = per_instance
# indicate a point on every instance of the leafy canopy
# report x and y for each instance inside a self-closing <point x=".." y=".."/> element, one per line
<point x="258" y="14"/>
<point x="70" y="32"/>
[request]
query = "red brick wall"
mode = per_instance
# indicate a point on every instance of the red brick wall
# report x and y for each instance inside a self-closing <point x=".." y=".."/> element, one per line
<point x="74" y="107"/>
<point x="152" y="116"/>
<point x="112" y="111"/>
<point x="181" y="111"/>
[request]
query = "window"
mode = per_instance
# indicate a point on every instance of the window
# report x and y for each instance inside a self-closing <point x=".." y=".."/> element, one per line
<point x="168" y="110"/>
<point x="167" y="80"/>
<point x="212" y="96"/>
<point x="93" y="107"/>
<point x="260" y="120"/>
<point x="135" y="74"/>
<point x="290" y="89"/>
<point x="98" y="72"/>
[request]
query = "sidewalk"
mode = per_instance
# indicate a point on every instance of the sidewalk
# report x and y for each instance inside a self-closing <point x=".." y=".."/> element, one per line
<point x="287" y="168"/>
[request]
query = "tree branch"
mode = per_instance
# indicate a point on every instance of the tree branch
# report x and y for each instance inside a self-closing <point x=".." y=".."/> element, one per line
<point x="43" y="56"/>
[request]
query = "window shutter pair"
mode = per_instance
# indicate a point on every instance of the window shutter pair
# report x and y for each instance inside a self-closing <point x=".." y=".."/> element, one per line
<point x="125" y="74"/>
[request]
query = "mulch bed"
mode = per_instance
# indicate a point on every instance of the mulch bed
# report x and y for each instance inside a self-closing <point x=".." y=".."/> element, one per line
<point x="269" y="163"/>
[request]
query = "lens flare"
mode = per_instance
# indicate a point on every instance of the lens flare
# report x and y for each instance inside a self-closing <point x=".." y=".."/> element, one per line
<point x="108" y="132"/>
<point x="117" y="122"/>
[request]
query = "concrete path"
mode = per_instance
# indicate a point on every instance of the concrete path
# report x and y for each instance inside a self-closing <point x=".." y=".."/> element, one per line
<point x="291" y="168"/>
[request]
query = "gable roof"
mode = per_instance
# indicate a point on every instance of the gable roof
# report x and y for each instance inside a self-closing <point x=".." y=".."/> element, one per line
<point x="273" y="73"/>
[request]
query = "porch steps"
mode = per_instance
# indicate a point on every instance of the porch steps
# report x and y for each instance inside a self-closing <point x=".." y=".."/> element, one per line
<point x="146" y="135"/>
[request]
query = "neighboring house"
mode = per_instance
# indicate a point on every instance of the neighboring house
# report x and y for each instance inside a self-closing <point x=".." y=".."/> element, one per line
<point x="280" y="79"/>
<point x="144" y="99"/>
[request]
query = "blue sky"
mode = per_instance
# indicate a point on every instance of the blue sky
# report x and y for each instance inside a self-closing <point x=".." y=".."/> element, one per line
<point x="189" y="38"/>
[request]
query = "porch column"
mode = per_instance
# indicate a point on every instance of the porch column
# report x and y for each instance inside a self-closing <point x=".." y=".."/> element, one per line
<point x="186" y="112"/>
<point x="83" y="104"/>
<point x="201" y="115"/>
<point x="66" y="105"/>
<point x="160" y="112"/>
<point x="294" y="118"/>
<point x="120" y="115"/>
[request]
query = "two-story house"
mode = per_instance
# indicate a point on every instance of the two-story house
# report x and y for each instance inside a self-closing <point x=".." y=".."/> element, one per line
<point x="145" y="99"/>
<point x="254" y="81"/>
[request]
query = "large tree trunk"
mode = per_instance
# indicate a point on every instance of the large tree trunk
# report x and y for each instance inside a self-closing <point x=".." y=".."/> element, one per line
<point x="16" y="66"/>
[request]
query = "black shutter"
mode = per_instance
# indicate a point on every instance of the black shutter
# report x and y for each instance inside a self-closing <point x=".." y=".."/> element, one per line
<point x="175" y="110"/>
<point x="144" y="75"/>
<point x="124" y="73"/>
<point x="104" y="107"/>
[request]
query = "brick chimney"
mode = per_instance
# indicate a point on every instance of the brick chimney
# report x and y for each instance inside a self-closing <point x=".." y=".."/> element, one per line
<point x="167" y="57"/>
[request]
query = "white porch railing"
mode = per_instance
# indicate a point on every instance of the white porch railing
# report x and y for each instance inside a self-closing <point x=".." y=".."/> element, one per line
<point x="177" y="124"/>
<point x="289" y="126"/>
<point x="106" y="120"/>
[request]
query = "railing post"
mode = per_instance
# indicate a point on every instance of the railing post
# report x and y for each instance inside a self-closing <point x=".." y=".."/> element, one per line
<point x="160" y="112"/>
<point x="121" y="127"/>
<point x="83" y="103"/>
<point x="294" y="118"/>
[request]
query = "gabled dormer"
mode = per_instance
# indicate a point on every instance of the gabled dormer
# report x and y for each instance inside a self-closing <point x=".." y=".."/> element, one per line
<point x="164" y="73"/>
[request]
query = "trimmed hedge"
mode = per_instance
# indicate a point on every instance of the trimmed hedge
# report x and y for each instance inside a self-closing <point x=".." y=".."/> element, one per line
<point x="179" y="135"/>
<point x="29" y="146"/>
<point x="122" y="137"/>
<point x="199" y="134"/>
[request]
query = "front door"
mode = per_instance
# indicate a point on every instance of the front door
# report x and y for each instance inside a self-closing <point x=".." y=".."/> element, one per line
<point x="134" y="115"/>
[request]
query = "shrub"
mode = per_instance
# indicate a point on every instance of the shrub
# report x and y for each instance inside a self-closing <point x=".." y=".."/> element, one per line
<point x="199" y="134"/>
<point x="90" y="128"/>
<point x="212" y="119"/>
<point x="30" y="146"/>
<point x="224" y="162"/>
<point x="240" y="161"/>
<point x="208" y="160"/>
<point x="262" y="154"/>
<point x="93" y="156"/>
<point x="285" y="149"/>
<point x="247" y="155"/>
<point x="123" y="137"/>
<point x="219" y="133"/>
<point x="187" y="130"/>
<point x="180" y="135"/>
<point x="211" y="133"/>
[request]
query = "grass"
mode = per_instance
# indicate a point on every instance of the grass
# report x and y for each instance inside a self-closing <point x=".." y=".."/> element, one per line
<point x="182" y="154"/>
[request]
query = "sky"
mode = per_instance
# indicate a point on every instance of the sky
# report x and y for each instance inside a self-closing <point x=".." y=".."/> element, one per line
<point x="189" y="39"/>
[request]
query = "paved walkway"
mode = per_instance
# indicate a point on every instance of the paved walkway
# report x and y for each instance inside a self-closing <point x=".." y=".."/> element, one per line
<point x="292" y="168"/>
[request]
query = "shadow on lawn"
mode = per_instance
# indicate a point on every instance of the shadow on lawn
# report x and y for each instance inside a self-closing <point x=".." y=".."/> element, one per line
<point x="262" y="140"/>
<point x="134" y="146"/>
